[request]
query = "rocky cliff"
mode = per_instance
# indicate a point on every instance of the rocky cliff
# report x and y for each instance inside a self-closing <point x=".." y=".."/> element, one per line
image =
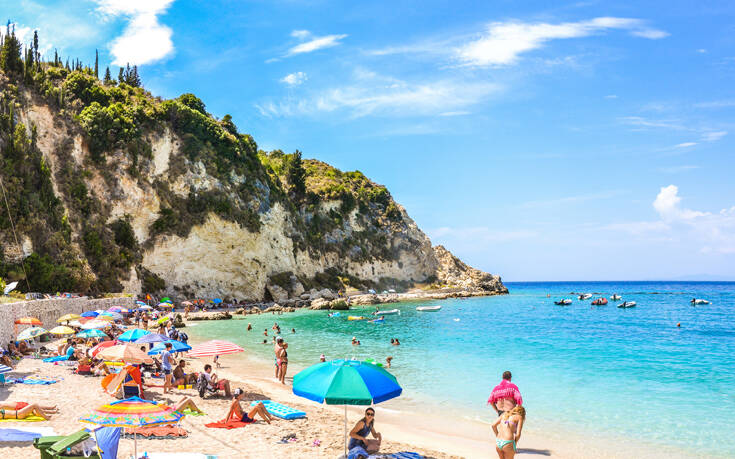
<point x="112" y="189"/>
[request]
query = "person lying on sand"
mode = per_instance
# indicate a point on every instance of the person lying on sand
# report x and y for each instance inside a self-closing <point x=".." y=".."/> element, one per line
<point x="237" y="412"/>
<point x="507" y="430"/>
<point x="21" y="410"/>
<point x="24" y="349"/>
<point x="359" y="433"/>
<point x="185" y="403"/>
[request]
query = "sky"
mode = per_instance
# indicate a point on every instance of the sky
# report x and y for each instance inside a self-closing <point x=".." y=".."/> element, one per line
<point x="537" y="140"/>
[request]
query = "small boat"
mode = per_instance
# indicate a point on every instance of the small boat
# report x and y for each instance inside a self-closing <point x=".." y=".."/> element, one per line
<point x="696" y="301"/>
<point x="627" y="304"/>
<point x="356" y="318"/>
<point x="616" y="297"/>
<point x="388" y="313"/>
<point x="585" y="296"/>
<point x="428" y="308"/>
<point x="600" y="302"/>
<point x="564" y="302"/>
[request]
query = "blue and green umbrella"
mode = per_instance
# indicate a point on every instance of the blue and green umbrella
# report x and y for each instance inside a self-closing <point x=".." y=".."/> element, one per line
<point x="346" y="382"/>
<point x="91" y="333"/>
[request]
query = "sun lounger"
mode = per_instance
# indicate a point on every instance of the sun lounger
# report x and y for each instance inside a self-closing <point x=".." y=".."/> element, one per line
<point x="54" y="447"/>
<point x="279" y="410"/>
<point x="26" y="419"/>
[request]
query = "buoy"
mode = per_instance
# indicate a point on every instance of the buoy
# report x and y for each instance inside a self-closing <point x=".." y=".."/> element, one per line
<point x="678" y="324"/>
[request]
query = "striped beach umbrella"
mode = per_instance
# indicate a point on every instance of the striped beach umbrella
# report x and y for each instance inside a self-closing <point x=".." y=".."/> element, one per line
<point x="98" y="348"/>
<point x="67" y="318"/>
<point x="30" y="333"/>
<point x="28" y="321"/>
<point x="132" y="412"/>
<point x="214" y="347"/>
<point x="165" y="305"/>
<point x="5" y="369"/>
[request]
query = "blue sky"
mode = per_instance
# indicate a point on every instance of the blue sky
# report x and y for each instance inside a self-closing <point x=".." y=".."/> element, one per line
<point x="585" y="140"/>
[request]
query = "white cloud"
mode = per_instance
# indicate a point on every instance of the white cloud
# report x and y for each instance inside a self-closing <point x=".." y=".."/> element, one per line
<point x="294" y="79"/>
<point x="455" y="113"/>
<point x="144" y="40"/>
<point x="713" y="136"/>
<point x="701" y="50"/>
<point x="685" y="145"/>
<point x="302" y="34"/>
<point x="504" y="42"/>
<point x="611" y="96"/>
<point x="667" y="204"/>
<point x="315" y="43"/>
<point x="717" y="104"/>
<point x="372" y="94"/>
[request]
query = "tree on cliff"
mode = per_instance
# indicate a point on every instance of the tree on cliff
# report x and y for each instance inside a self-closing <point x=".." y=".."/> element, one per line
<point x="296" y="176"/>
<point x="10" y="59"/>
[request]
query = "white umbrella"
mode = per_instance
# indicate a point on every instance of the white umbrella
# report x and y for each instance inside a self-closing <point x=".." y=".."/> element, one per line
<point x="95" y="324"/>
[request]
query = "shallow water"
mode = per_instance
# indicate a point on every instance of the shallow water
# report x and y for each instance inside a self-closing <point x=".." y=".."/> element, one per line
<point x="594" y="370"/>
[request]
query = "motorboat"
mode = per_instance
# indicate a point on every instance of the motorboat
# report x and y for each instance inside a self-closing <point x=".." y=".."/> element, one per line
<point x="627" y="304"/>
<point x="600" y="302"/>
<point x="616" y="297"/>
<point x="388" y="312"/>
<point x="585" y="296"/>
<point x="696" y="301"/>
<point x="428" y="308"/>
<point x="564" y="302"/>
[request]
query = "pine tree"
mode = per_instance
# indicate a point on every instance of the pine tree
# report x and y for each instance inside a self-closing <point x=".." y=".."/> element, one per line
<point x="10" y="53"/>
<point x="296" y="176"/>
<point x="67" y="64"/>
<point x="108" y="77"/>
<point x="96" y="64"/>
<point x="56" y="58"/>
<point x="134" y="77"/>
<point x="121" y="76"/>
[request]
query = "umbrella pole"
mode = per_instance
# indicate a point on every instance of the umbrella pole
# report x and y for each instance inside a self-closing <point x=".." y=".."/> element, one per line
<point x="135" y="442"/>
<point x="345" y="431"/>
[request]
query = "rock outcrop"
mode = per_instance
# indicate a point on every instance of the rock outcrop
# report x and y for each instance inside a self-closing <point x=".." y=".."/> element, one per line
<point x="454" y="272"/>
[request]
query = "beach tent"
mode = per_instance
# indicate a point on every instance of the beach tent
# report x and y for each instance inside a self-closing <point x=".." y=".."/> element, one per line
<point x="346" y="382"/>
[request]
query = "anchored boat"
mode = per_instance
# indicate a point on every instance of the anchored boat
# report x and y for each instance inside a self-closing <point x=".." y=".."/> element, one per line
<point x="564" y="302"/>
<point x="600" y="302"/>
<point x="627" y="304"/>
<point x="428" y="308"/>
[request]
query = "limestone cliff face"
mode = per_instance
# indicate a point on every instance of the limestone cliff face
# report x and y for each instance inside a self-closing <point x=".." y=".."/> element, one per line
<point x="172" y="217"/>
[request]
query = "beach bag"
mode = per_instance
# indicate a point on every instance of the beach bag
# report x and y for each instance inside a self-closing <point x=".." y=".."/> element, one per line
<point x="201" y="386"/>
<point x="183" y="337"/>
<point x="84" y="370"/>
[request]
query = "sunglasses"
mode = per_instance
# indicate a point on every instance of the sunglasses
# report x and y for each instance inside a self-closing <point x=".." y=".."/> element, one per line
<point x="370" y="414"/>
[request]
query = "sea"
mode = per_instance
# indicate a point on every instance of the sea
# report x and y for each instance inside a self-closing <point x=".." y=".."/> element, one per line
<point x="662" y="373"/>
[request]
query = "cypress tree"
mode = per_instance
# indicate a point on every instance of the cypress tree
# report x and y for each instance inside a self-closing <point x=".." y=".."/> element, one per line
<point x="96" y="64"/>
<point x="67" y="64"/>
<point x="37" y="55"/>
<point x="121" y="75"/>
<point x="134" y="77"/>
<point x="108" y="77"/>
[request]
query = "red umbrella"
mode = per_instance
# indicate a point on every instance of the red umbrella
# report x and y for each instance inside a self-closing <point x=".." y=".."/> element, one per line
<point x="214" y="347"/>
<point x="28" y="321"/>
<point x="104" y="344"/>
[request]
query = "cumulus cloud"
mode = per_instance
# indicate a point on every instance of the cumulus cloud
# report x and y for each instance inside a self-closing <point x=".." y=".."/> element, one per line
<point x="667" y="204"/>
<point x="145" y="40"/>
<point x="294" y="79"/>
<point x="503" y="42"/>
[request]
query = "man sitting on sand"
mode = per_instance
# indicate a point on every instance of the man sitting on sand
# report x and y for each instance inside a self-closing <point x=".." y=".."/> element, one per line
<point x="505" y="395"/>
<point x="180" y="376"/>
<point x="213" y="383"/>
<point x="236" y="412"/>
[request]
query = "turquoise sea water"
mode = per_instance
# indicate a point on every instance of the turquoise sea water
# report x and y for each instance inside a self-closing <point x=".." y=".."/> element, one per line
<point x="624" y="372"/>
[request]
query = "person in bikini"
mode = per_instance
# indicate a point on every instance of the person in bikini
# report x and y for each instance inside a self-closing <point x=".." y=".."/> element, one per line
<point x="359" y="433"/>
<point x="21" y="410"/>
<point x="507" y="430"/>
<point x="236" y="412"/>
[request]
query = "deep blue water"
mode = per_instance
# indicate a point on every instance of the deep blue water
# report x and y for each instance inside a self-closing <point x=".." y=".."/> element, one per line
<point x="627" y="372"/>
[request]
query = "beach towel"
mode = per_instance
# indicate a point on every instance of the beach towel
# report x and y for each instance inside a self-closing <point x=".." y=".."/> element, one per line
<point x="357" y="452"/>
<point x="39" y="382"/>
<point x="58" y="358"/>
<point x="401" y="455"/>
<point x="26" y="419"/>
<point x="225" y="424"/>
<point x="24" y="434"/>
<point x="180" y="456"/>
<point x="189" y="412"/>
<point x="279" y="410"/>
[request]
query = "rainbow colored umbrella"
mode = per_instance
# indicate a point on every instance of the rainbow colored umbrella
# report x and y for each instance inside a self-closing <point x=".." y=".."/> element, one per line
<point x="30" y="333"/>
<point x="215" y="347"/>
<point x="132" y="412"/>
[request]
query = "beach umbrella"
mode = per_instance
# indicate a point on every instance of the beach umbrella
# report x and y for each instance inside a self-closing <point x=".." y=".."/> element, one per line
<point x="92" y="333"/>
<point x="346" y="382"/>
<point x="90" y="314"/>
<point x="214" y="347"/>
<point x="177" y="346"/>
<point x="111" y="315"/>
<point x="28" y="321"/>
<point x="166" y="299"/>
<point x="97" y="323"/>
<point x="104" y="344"/>
<point x="217" y="300"/>
<point x="145" y="307"/>
<point x="67" y="318"/>
<point x="62" y="330"/>
<point x="5" y="369"/>
<point x="165" y="305"/>
<point x="151" y="338"/>
<point x="132" y="412"/>
<point x="141" y="303"/>
<point x="186" y="303"/>
<point x="162" y="320"/>
<point x="133" y="334"/>
<point x="118" y="309"/>
<point x="30" y="333"/>
<point x="124" y="352"/>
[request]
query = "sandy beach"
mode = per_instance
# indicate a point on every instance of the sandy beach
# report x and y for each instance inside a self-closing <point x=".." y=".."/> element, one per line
<point x="436" y="435"/>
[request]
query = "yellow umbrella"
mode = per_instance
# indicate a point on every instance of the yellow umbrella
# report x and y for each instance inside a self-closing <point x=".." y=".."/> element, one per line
<point x="126" y="353"/>
<point x="105" y="318"/>
<point x="67" y="318"/>
<point x="62" y="330"/>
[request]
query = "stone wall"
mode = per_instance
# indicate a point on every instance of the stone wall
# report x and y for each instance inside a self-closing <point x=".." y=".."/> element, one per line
<point x="47" y="311"/>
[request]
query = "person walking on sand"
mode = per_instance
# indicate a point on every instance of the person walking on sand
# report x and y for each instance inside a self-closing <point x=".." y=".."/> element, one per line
<point x="284" y="363"/>
<point x="277" y="354"/>
<point x="505" y="395"/>
<point x="508" y="428"/>
<point x="167" y="367"/>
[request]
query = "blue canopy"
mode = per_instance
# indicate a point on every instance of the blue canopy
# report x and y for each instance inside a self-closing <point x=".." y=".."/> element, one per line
<point x="217" y="300"/>
<point x="177" y="346"/>
<point x="90" y="314"/>
<point x="133" y="334"/>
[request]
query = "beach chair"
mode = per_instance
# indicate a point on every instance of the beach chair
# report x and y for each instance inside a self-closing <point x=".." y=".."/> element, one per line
<point x="55" y="447"/>
<point x="203" y="387"/>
